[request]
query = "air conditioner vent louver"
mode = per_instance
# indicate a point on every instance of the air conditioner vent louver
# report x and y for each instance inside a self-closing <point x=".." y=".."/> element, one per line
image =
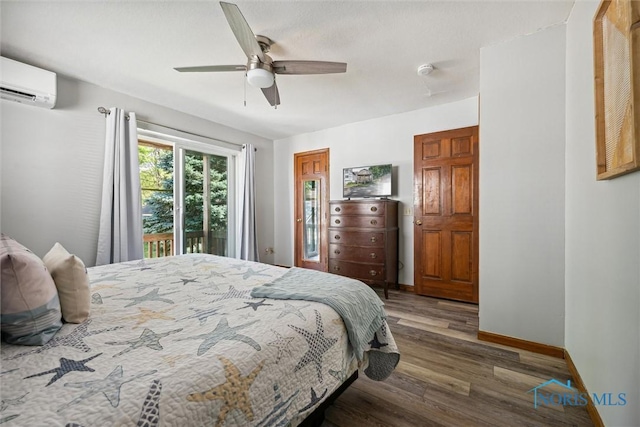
<point x="24" y="95"/>
<point x="27" y="84"/>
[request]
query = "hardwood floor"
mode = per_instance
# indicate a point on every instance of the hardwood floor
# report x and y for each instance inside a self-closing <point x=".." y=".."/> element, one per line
<point x="446" y="377"/>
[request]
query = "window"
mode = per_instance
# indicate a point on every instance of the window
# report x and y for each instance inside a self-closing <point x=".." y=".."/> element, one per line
<point x="187" y="198"/>
<point x="156" y="182"/>
<point x="206" y="206"/>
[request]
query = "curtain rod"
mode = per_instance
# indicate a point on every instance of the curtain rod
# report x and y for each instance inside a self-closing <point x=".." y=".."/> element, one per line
<point x="106" y="112"/>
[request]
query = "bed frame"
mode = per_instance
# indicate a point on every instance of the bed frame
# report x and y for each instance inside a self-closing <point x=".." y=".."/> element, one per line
<point x="316" y="418"/>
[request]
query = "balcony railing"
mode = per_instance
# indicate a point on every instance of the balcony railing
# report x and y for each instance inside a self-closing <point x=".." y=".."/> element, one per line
<point x="196" y="242"/>
<point x="157" y="245"/>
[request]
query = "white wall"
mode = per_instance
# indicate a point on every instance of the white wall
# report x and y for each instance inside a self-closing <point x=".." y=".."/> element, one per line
<point x="383" y="140"/>
<point x="52" y="166"/>
<point x="522" y="133"/>
<point x="602" y="245"/>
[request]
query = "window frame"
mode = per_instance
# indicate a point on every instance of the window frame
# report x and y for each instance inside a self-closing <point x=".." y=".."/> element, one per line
<point x="180" y="145"/>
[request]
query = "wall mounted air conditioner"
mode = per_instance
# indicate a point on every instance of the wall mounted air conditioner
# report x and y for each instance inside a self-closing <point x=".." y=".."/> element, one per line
<point x="27" y="84"/>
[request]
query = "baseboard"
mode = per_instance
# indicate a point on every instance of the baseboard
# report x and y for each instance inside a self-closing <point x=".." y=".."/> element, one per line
<point x="532" y="346"/>
<point x="406" y="288"/>
<point x="549" y="350"/>
<point x="579" y="384"/>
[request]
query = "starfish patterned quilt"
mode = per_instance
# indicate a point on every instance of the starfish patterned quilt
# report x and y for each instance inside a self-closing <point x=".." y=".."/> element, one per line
<point x="179" y="341"/>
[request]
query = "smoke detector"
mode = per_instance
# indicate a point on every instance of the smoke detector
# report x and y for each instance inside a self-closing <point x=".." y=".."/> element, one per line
<point x="425" y="69"/>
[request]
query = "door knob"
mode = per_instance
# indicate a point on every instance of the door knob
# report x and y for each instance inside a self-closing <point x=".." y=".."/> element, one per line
<point x="418" y="222"/>
<point x="299" y="220"/>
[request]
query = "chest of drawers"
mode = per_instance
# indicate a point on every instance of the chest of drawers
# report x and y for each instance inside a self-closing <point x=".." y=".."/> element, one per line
<point x="363" y="240"/>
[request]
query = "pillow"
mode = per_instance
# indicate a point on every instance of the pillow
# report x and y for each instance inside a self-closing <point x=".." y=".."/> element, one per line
<point x="30" y="309"/>
<point x="71" y="279"/>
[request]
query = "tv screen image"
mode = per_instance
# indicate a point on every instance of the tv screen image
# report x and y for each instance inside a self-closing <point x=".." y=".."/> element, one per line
<point x="367" y="181"/>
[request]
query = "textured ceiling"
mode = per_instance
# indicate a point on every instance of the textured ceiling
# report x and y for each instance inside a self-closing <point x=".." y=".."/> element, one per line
<point x="132" y="47"/>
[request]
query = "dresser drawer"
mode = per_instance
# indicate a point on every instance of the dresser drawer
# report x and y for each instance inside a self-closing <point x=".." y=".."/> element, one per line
<point x="374" y="272"/>
<point x="366" y="208"/>
<point x="356" y="221"/>
<point x="356" y="253"/>
<point x="356" y="238"/>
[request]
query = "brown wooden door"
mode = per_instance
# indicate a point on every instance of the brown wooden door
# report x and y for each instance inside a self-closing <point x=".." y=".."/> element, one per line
<point x="446" y="214"/>
<point x="311" y="170"/>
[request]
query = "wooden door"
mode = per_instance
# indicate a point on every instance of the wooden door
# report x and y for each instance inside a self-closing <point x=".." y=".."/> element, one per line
<point x="311" y="174"/>
<point x="446" y="214"/>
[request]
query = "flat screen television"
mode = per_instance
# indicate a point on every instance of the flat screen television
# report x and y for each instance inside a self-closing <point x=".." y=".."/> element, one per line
<point x="366" y="181"/>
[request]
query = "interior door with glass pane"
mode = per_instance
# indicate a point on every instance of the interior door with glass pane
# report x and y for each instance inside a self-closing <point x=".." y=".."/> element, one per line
<point x="311" y="206"/>
<point x="205" y="203"/>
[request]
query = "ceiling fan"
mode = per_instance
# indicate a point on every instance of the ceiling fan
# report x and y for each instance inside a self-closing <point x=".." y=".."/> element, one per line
<point x="260" y="68"/>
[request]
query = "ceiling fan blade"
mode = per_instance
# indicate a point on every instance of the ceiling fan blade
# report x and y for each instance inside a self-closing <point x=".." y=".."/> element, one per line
<point x="308" y="67"/>
<point x="211" y="68"/>
<point x="242" y="31"/>
<point x="272" y="94"/>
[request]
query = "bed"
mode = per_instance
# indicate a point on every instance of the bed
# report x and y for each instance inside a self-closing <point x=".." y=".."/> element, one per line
<point x="180" y="341"/>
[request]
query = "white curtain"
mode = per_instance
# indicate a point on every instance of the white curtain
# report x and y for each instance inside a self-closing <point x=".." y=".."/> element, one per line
<point x="248" y="245"/>
<point x="120" y="236"/>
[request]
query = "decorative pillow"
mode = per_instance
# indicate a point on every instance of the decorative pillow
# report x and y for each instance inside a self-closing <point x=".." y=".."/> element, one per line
<point x="71" y="279"/>
<point x="30" y="309"/>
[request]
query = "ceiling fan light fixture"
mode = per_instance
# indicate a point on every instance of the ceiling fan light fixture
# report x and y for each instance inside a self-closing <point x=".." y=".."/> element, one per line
<point x="259" y="77"/>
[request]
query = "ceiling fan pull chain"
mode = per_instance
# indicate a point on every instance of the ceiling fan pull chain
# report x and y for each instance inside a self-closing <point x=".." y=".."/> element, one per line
<point x="245" y="89"/>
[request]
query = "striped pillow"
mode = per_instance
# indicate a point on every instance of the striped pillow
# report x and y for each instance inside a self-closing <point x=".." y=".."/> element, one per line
<point x="30" y="309"/>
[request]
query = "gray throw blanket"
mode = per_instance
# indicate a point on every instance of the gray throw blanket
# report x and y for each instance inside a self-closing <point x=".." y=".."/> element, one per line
<point x="358" y="305"/>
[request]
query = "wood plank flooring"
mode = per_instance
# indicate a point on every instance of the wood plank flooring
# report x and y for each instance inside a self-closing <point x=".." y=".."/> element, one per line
<point x="446" y="377"/>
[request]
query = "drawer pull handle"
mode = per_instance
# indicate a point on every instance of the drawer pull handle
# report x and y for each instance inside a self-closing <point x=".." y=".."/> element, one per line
<point x="338" y="209"/>
<point x="373" y="255"/>
<point x="337" y="221"/>
<point x="374" y="209"/>
<point x="337" y="252"/>
<point x="373" y="240"/>
<point x="373" y="272"/>
<point x="373" y="222"/>
<point x="337" y="237"/>
<point x="336" y="268"/>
